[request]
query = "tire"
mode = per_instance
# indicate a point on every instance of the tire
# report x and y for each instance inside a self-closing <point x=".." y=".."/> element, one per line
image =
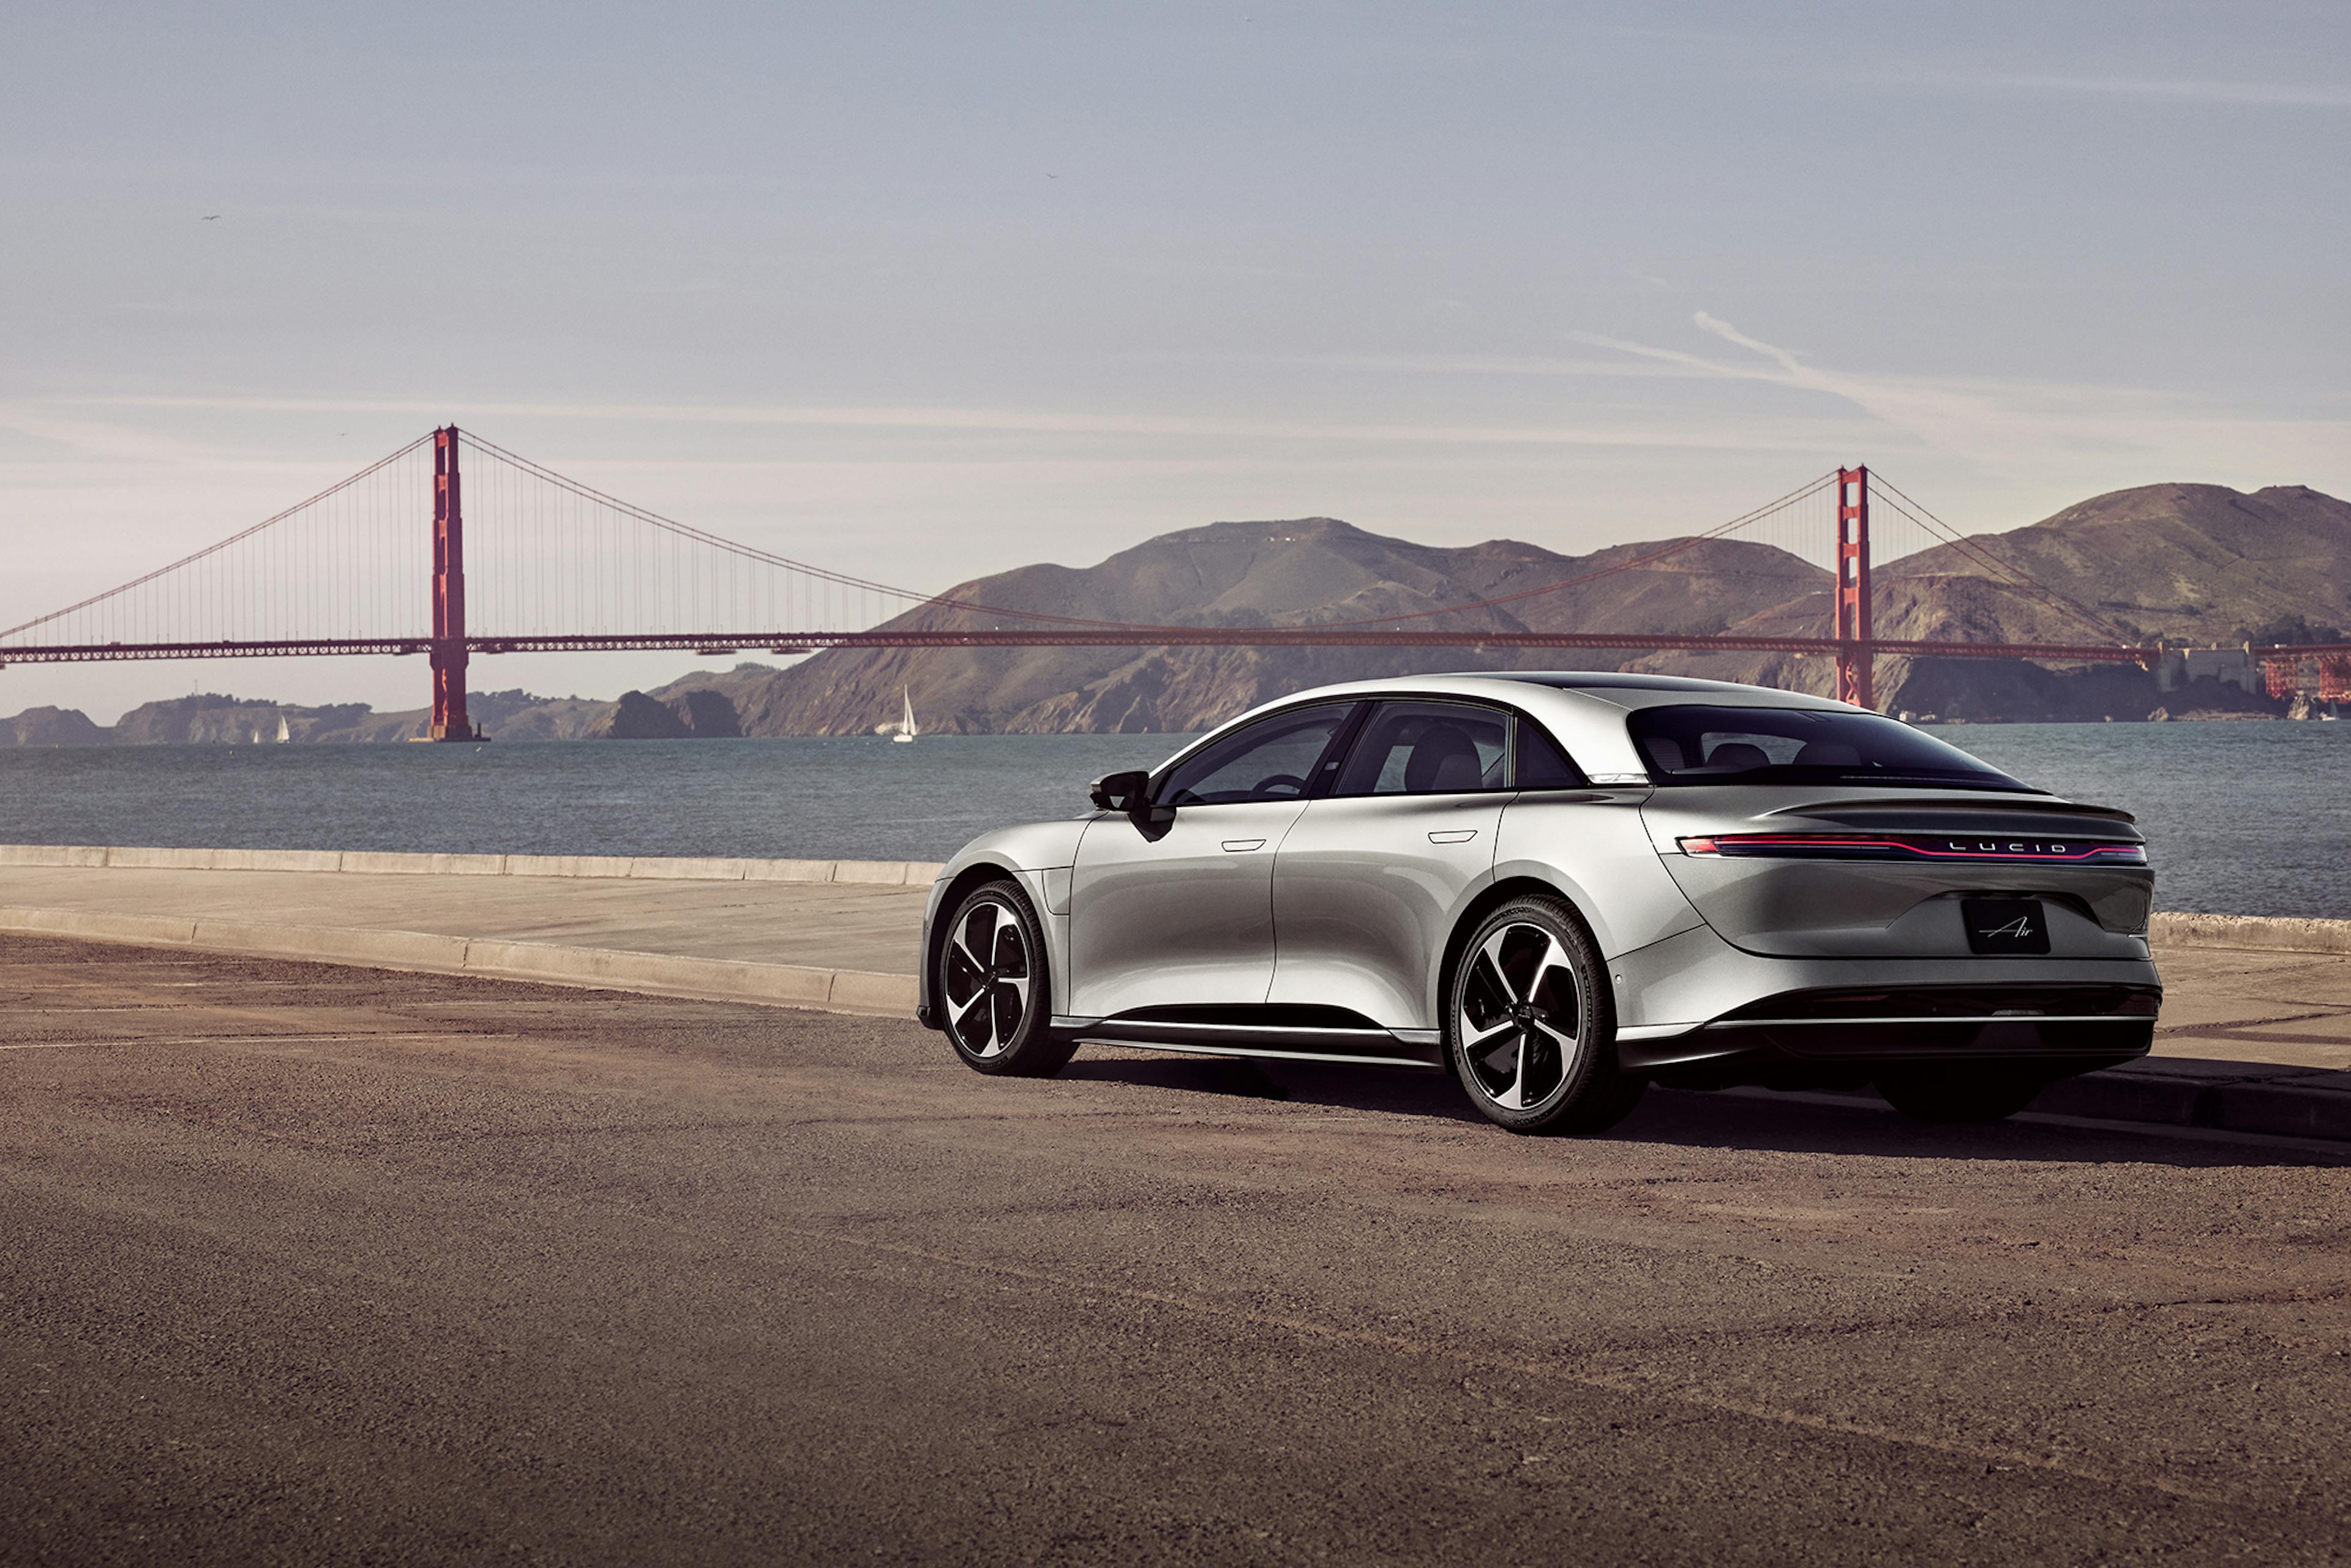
<point x="1531" y="1023"/>
<point x="1954" y="1093"/>
<point x="996" y="1001"/>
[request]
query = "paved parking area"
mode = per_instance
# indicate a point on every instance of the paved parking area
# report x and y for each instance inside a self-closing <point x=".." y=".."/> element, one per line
<point x="2240" y="1005"/>
<point x="324" y="1264"/>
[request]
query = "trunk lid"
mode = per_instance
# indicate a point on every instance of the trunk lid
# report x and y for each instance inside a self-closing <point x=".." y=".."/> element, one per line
<point x="1812" y="872"/>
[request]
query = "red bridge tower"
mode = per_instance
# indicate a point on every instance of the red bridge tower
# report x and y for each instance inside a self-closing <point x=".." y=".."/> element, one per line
<point x="1856" y="653"/>
<point x="449" y="721"/>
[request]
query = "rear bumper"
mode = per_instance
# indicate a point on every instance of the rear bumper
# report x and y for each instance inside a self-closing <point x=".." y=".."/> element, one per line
<point x="1825" y="1033"/>
<point x="1693" y="1007"/>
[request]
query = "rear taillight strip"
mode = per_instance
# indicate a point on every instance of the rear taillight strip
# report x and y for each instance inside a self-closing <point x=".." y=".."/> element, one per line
<point x="1918" y="846"/>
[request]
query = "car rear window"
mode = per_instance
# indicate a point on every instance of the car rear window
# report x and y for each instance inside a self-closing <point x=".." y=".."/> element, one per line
<point x="1702" y="743"/>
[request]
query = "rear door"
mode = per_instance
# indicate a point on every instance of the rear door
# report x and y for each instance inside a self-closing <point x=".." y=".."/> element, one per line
<point x="1178" y="909"/>
<point x="1373" y="876"/>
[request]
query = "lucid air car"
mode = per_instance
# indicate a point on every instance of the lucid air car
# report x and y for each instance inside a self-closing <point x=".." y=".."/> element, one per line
<point x="1561" y="888"/>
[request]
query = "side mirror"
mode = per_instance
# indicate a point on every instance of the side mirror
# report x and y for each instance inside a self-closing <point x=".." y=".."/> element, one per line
<point x="1129" y="792"/>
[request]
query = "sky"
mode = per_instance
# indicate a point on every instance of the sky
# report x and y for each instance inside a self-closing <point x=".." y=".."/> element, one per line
<point x="926" y="292"/>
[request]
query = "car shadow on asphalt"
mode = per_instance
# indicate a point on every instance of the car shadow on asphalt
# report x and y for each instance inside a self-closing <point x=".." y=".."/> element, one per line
<point x="1758" y="1120"/>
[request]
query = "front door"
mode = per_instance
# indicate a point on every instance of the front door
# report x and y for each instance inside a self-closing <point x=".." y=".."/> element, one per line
<point x="1372" y="879"/>
<point x="1179" y="911"/>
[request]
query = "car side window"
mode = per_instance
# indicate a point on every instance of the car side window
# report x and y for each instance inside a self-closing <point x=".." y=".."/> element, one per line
<point x="1426" y="749"/>
<point x="1540" y="764"/>
<point x="1272" y="759"/>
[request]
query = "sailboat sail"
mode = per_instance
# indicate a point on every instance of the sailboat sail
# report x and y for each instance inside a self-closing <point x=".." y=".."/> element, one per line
<point x="284" y="730"/>
<point x="906" y="730"/>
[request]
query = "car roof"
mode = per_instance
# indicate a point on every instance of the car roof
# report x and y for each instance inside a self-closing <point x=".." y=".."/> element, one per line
<point x="1607" y="688"/>
<point x="1584" y="709"/>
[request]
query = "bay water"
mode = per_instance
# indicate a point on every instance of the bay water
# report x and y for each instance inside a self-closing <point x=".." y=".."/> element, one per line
<point x="2244" y="817"/>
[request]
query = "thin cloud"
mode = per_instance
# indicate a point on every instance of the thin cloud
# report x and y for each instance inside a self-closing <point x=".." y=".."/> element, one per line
<point x="1003" y="421"/>
<point x="1784" y="358"/>
<point x="1998" y="424"/>
<point x="2266" y="94"/>
<point x="113" y="442"/>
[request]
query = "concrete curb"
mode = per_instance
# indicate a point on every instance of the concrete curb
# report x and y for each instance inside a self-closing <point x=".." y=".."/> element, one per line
<point x="381" y="862"/>
<point x="2175" y="1092"/>
<point x="2274" y="932"/>
<point x="2195" y="1092"/>
<point x="2267" y="932"/>
<point x="714" y="979"/>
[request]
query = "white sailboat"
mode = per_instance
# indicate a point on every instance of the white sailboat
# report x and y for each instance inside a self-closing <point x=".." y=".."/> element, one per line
<point x="906" y="730"/>
<point x="285" y="731"/>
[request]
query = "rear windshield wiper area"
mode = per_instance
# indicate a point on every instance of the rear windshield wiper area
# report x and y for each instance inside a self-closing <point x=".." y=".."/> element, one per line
<point x="1723" y="743"/>
<point x="1789" y="773"/>
<point x="1998" y="782"/>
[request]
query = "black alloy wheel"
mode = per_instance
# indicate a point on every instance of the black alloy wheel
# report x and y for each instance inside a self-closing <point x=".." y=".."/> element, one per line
<point x="995" y="1001"/>
<point x="1531" y="1028"/>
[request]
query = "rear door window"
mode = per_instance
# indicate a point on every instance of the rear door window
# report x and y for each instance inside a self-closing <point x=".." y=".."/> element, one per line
<point x="1427" y="749"/>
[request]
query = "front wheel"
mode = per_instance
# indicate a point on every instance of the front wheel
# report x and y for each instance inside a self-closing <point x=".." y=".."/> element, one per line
<point x="1530" y="1024"/>
<point x="992" y="986"/>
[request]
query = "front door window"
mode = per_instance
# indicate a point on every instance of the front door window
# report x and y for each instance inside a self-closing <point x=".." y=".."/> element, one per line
<point x="1274" y="760"/>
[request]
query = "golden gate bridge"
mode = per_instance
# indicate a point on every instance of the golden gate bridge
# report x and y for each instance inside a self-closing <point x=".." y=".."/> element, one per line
<point x="527" y="560"/>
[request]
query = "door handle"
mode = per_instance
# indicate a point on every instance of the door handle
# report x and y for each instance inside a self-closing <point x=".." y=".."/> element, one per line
<point x="1243" y="846"/>
<point x="1457" y="836"/>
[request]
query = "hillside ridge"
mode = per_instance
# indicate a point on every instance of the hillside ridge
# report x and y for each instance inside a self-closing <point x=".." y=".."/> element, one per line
<point x="2198" y="562"/>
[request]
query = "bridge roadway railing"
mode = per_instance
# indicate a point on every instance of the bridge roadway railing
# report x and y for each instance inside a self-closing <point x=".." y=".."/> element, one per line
<point x="799" y="642"/>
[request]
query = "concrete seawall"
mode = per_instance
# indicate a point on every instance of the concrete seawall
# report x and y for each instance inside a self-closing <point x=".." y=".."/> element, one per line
<point x="2265" y="933"/>
<point x="381" y="863"/>
<point x="836" y="935"/>
<point x="2268" y="933"/>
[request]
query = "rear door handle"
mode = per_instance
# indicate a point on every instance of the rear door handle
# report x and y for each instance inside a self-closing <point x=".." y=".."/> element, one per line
<point x="1242" y="846"/>
<point x="1457" y="836"/>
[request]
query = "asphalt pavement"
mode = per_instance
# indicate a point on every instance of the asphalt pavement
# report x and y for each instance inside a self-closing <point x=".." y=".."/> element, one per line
<point x="306" y="1263"/>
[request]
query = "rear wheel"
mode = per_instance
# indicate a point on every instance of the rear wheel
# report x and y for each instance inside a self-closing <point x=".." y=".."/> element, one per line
<point x="1530" y="1024"/>
<point x="995" y="1001"/>
<point x="1955" y="1093"/>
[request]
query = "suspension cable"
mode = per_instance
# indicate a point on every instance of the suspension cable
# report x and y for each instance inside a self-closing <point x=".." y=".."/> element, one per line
<point x="688" y="530"/>
<point x="234" y="538"/>
<point x="1918" y="514"/>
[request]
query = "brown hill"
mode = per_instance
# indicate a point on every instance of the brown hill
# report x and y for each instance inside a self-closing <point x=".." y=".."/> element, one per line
<point x="2197" y="561"/>
<point x="52" y="727"/>
<point x="1302" y="572"/>
<point x="2185" y="561"/>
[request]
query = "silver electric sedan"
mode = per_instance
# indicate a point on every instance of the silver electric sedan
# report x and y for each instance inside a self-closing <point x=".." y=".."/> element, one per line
<point x="1563" y="888"/>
